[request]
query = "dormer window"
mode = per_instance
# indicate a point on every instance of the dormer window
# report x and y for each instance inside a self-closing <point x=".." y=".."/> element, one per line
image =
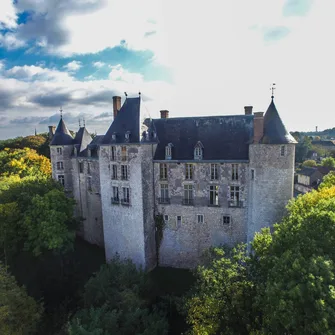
<point x="168" y="151"/>
<point x="89" y="152"/>
<point x="127" y="136"/>
<point x="114" y="136"/>
<point x="198" y="150"/>
<point x="75" y="152"/>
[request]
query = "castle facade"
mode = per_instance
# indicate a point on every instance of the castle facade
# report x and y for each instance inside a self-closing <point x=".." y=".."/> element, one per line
<point x="211" y="180"/>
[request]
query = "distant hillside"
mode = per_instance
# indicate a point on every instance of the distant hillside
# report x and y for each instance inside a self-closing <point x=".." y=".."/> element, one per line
<point x="326" y="134"/>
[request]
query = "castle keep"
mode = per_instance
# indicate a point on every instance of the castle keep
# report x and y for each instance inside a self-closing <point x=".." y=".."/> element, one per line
<point x="214" y="180"/>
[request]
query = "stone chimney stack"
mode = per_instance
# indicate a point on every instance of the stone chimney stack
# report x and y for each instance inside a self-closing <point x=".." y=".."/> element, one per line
<point x="258" y="126"/>
<point x="51" y="132"/>
<point x="164" y="114"/>
<point x="116" y="105"/>
<point x="248" y="110"/>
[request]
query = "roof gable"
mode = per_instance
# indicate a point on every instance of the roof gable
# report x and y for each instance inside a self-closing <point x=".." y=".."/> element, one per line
<point x="82" y="139"/>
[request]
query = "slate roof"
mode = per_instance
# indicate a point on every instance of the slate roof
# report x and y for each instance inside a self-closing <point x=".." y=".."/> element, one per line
<point x="127" y="119"/>
<point x="325" y="143"/>
<point x="307" y="171"/>
<point x="62" y="135"/>
<point x="82" y="139"/>
<point x="274" y="129"/>
<point x="223" y="137"/>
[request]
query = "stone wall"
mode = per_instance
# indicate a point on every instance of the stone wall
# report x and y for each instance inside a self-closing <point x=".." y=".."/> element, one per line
<point x="88" y="198"/>
<point x="123" y="224"/>
<point x="183" y="245"/>
<point x="272" y="186"/>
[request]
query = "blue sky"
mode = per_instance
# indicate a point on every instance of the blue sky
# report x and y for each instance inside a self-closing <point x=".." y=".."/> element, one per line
<point x="191" y="57"/>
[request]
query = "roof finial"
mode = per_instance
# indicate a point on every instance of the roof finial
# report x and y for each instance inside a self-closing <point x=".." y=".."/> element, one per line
<point x="79" y="123"/>
<point x="125" y="93"/>
<point x="61" y="112"/>
<point x="84" y="122"/>
<point x="139" y="93"/>
<point x="35" y="132"/>
<point x="272" y="90"/>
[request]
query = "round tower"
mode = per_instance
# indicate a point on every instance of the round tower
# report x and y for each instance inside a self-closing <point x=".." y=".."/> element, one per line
<point x="61" y="148"/>
<point x="271" y="164"/>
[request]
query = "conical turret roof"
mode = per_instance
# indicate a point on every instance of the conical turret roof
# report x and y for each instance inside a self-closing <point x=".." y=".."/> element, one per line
<point x="62" y="135"/>
<point x="82" y="139"/>
<point x="274" y="130"/>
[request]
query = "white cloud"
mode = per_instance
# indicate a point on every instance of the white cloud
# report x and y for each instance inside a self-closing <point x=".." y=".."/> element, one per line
<point x="7" y="14"/>
<point x="73" y="66"/>
<point x="10" y="41"/>
<point x="118" y="73"/>
<point x="98" y="65"/>
<point x="32" y="72"/>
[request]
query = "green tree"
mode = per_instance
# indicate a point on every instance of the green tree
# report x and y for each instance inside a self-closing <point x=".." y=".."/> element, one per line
<point x="329" y="162"/>
<point x="19" y="313"/>
<point x="116" y="302"/>
<point x="309" y="163"/>
<point x="302" y="149"/>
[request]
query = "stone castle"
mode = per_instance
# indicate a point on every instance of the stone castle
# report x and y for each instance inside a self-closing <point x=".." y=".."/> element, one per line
<point x="212" y="180"/>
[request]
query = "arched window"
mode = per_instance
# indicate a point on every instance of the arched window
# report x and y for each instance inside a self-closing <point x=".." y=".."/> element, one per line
<point x="127" y="136"/>
<point x="168" y="151"/>
<point x="198" y="150"/>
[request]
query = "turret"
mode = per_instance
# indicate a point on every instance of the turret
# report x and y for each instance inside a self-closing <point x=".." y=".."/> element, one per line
<point x="61" y="148"/>
<point x="271" y="174"/>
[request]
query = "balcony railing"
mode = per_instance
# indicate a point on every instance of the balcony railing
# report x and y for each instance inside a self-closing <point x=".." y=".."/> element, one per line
<point x="164" y="201"/>
<point x="115" y="201"/>
<point x="125" y="202"/>
<point x="188" y="202"/>
<point x="213" y="204"/>
<point x="235" y="203"/>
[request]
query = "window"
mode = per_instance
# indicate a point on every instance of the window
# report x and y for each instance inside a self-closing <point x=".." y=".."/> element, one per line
<point x="188" y="195"/>
<point x="88" y="168"/>
<point x="125" y="195"/>
<point x="252" y="174"/>
<point x="60" y="166"/>
<point x="162" y="171"/>
<point x="282" y="150"/>
<point x="89" y="183"/>
<point x="234" y="171"/>
<point x="214" y="195"/>
<point x="168" y="151"/>
<point x="235" y="195"/>
<point x="178" y="221"/>
<point x="214" y="172"/>
<point x="59" y="151"/>
<point x="114" y="171"/>
<point x="226" y="219"/>
<point x="200" y="218"/>
<point x="81" y="167"/>
<point x="124" y="172"/>
<point x="188" y="171"/>
<point x="127" y="136"/>
<point x="123" y="153"/>
<point x="166" y="219"/>
<point x="164" y="196"/>
<point x="114" y="136"/>
<point x="198" y="151"/>
<point x="115" y="198"/>
<point x="113" y="157"/>
<point x="89" y="153"/>
<point x="61" y="179"/>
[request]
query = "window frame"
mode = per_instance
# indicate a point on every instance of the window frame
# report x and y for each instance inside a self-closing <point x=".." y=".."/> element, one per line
<point x="188" y="198"/>
<point x="89" y="183"/>
<point x="213" y="195"/>
<point x="116" y="195"/>
<point x="179" y="222"/>
<point x="114" y="172"/>
<point x="163" y="171"/>
<point x="168" y="151"/>
<point x="125" y="201"/>
<point x="188" y="171"/>
<point x="61" y="179"/>
<point x="224" y="218"/>
<point x="202" y="221"/>
<point x="282" y="151"/>
<point x="81" y="167"/>
<point x="113" y="153"/>
<point x="88" y="168"/>
<point x="59" y="150"/>
<point x="214" y="171"/>
<point x="234" y="171"/>
<point x="124" y="172"/>
<point x="164" y="193"/>
<point x="60" y="165"/>
<point x="124" y="153"/>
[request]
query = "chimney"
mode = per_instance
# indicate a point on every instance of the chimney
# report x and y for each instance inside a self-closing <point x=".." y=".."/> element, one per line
<point x="258" y="126"/>
<point x="51" y="132"/>
<point x="116" y="105"/>
<point x="248" y="110"/>
<point x="164" y="114"/>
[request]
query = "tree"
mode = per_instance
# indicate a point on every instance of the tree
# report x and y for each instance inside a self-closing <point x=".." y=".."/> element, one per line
<point x="302" y="149"/>
<point x="329" y="162"/>
<point x="19" y="313"/>
<point x="116" y="302"/>
<point x="309" y="163"/>
<point x="23" y="162"/>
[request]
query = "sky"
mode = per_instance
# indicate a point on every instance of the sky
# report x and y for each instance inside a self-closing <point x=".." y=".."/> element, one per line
<point x="193" y="58"/>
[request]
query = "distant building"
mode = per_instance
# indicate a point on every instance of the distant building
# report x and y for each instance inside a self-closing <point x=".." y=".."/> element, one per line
<point x="325" y="144"/>
<point x="214" y="180"/>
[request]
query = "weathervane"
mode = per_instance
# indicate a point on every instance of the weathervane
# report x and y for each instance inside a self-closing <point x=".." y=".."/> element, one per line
<point x="139" y="93"/>
<point x="61" y="112"/>
<point x="84" y="122"/>
<point x="125" y="93"/>
<point x="272" y="90"/>
<point x="79" y="123"/>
